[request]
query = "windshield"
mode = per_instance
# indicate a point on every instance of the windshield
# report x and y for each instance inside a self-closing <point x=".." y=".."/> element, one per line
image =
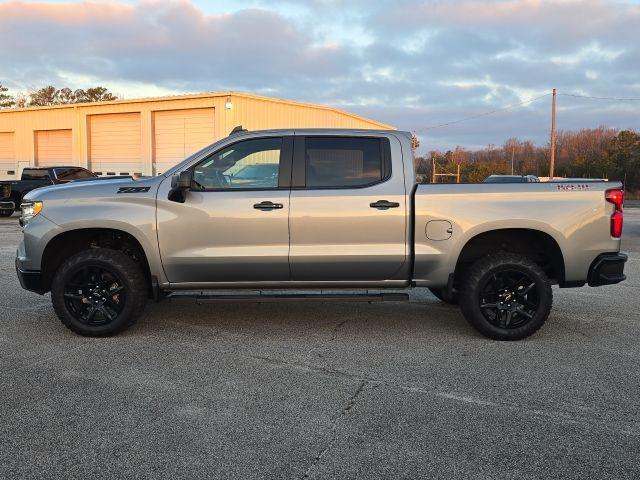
<point x="179" y="167"/>
<point x="68" y="174"/>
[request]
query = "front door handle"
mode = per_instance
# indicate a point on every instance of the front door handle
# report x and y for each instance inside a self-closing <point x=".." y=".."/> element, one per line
<point x="384" y="205"/>
<point x="266" y="205"/>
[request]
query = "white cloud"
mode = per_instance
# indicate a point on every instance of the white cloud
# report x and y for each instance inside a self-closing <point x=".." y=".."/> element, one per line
<point x="406" y="62"/>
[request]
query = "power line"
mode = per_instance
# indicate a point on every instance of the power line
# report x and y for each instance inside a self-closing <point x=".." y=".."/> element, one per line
<point x="600" y="98"/>
<point x="484" y="114"/>
<point x="531" y="100"/>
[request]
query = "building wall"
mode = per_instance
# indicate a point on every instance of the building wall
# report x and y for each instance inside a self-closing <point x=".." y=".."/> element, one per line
<point x="230" y="109"/>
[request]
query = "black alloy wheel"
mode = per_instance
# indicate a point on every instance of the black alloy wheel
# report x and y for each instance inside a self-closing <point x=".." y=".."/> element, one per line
<point x="94" y="295"/>
<point x="509" y="299"/>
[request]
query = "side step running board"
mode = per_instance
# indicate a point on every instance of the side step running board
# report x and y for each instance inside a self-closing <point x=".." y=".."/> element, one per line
<point x="298" y="297"/>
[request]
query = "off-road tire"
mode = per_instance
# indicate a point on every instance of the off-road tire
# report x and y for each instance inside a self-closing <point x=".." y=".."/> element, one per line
<point x="134" y="283"/>
<point x="6" y="213"/>
<point x="477" y="276"/>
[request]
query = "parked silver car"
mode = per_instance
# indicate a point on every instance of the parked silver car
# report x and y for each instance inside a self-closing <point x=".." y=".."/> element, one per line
<point x="511" y="179"/>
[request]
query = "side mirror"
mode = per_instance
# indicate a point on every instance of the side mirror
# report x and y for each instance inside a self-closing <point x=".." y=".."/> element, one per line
<point x="182" y="180"/>
<point x="180" y="183"/>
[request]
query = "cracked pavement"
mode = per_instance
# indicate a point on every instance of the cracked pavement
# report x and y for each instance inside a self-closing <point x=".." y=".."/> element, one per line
<point x="343" y="390"/>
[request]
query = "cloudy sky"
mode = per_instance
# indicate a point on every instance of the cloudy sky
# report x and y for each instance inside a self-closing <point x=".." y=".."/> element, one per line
<point x="412" y="64"/>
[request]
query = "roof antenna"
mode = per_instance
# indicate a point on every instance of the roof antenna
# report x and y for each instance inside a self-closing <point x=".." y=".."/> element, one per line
<point x="238" y="129"/>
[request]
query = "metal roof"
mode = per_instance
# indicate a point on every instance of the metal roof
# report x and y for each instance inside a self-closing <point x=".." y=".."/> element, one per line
<point x="191" y="96"/>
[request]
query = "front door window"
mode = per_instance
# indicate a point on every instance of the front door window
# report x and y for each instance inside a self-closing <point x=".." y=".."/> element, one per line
<point x="251" y="164"/>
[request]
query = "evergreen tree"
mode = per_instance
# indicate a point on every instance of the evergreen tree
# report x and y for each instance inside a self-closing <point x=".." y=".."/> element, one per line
<point x="6" y="100"/>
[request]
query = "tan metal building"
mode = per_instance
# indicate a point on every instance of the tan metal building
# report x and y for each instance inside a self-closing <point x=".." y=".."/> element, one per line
<point x="147" y="136"/>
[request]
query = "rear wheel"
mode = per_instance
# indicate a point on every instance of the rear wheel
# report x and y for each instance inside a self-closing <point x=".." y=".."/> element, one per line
<point x="441" y="294"/>
<point x="99" y="292"/>
<point x="506" y="296"/>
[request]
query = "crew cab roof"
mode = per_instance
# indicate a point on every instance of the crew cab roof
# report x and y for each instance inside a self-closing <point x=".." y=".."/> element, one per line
<point x="322" y="131"/>
<point x="51" y="168"/>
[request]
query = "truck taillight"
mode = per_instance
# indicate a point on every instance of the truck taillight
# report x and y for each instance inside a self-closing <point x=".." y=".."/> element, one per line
<point x="617" y="198"/>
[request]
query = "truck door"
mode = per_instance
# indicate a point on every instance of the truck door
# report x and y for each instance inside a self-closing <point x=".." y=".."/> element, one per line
<point x="233" y="225"/>
<point x="348" y="219"/>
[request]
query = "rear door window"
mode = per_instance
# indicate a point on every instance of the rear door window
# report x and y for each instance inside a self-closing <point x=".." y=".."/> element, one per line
<point x="343" y="162"/>
<point x="32" y="174"/>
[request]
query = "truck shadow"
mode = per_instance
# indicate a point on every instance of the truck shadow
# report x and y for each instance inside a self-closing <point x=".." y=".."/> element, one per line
<point x="286" y="320"/>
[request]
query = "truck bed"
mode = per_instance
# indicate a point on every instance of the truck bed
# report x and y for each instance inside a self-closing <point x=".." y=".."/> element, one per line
<point x="574" y="215"/>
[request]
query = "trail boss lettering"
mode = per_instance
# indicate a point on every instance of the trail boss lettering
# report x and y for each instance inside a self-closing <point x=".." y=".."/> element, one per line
<point x="133" y="189"/>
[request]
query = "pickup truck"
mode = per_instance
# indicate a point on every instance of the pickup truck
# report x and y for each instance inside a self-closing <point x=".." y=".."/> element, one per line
<point x="343" y="213"/>
<point x="12" y="192"/>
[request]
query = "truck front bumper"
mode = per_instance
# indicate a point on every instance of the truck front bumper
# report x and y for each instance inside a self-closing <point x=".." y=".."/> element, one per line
<point x="607" y="269"/>
<point x="7" y="205"/>
<point x="30" y="279"/>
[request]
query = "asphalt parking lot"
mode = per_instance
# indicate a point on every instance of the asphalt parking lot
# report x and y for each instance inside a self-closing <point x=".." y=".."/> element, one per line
<point x="343" y="390"/>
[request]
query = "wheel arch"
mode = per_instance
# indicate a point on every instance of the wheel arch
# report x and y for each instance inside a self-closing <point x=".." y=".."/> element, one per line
<point x="70" y="242"/>
<point x="539" y="245"/>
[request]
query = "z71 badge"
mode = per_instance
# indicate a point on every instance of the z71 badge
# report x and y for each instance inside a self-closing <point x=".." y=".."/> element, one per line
<point x="573" y="186"/>
<point x="133" y="189"/>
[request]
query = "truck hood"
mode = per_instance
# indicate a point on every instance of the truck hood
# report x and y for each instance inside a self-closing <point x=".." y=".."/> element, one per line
<point x="95" y="189"/>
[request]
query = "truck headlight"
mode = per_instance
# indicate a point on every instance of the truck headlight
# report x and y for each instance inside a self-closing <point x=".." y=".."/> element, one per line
<point x="30" y="210"/>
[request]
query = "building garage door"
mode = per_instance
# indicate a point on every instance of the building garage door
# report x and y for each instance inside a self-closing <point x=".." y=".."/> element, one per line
<point x="53" y="147"/>
<point x="7" y="155"/>
<point x="179" y="133"/>
<point x="115" y="143"/>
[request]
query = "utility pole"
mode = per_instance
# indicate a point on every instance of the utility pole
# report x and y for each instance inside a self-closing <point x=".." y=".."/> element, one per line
<point x="553" y="135"/>
<point x="513" y="152"/>
<point x="433" y="169"/>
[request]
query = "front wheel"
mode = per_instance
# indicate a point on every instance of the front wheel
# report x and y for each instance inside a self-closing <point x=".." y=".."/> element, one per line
<point x="6" y="213"/>
<point x="99" y="292"/>
<point x="506" y="296"/>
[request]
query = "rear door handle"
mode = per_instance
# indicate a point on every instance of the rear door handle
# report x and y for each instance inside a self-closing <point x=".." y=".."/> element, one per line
<point x="384" y="205"/>
<point x="266" y="205"/>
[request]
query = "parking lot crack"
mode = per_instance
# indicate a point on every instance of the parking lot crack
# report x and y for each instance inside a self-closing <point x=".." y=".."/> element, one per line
<point x="625" y="427"/>
<point x="336" y="329"/>
<point x="332" y="338"/>
<point x="334" y="427"/>
<point x="312" y="368"/>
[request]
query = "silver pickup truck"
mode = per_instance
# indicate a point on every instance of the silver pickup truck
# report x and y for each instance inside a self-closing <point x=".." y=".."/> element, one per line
<point x="285" y="210"/>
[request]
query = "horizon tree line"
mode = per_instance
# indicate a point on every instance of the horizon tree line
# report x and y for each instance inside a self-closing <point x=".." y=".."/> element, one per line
<point x="50" y="95"/>
<point x="601" y="152"/>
